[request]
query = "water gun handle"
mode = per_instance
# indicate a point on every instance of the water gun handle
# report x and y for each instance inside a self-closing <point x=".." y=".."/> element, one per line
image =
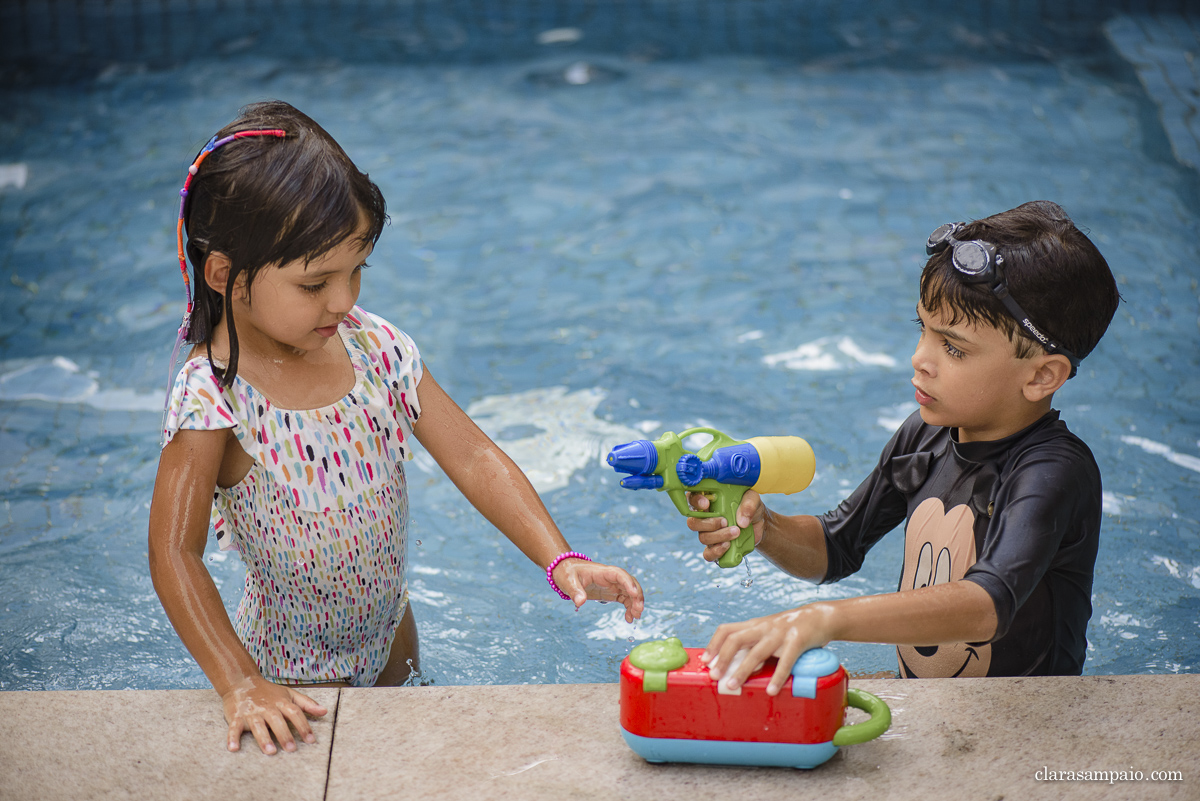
<point x="728" y="499"/>
<point x="724" y="500"/>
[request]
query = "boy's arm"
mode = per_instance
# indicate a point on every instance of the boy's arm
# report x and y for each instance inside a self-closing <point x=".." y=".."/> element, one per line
<point x="957" y="611"/>
<point x="826" y="548"/>
<point x="495" y="485"/>
<point x="179" y="520"/>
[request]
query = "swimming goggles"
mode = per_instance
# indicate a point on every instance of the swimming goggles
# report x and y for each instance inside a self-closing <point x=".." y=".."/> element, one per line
<point x="186" y="325"/>
<point x="978" y="262"/>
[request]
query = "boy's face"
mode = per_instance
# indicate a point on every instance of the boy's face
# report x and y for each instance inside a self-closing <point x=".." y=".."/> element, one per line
<point x="969" y="377"/>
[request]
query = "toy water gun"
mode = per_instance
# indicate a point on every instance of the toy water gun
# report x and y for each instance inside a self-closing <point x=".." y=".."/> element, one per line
<point x="722" y="470"/>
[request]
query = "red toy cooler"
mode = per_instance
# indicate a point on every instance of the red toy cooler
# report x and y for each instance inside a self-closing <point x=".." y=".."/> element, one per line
<point x="672" y="710"/>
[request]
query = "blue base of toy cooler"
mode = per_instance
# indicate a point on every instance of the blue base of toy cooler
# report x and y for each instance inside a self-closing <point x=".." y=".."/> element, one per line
<point x="725" y="752"/>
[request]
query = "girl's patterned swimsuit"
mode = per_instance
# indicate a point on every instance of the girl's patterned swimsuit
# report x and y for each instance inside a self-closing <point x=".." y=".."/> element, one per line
<point x="321" y="519"/>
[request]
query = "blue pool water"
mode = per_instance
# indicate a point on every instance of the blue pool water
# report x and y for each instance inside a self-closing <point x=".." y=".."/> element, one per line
<point x="728" y="240"/>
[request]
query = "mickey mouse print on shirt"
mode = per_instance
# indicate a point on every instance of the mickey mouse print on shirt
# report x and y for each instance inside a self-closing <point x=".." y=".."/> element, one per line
<point x="939" y="547"/>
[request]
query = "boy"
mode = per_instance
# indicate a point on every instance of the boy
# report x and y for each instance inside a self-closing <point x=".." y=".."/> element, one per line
<point x="1002" y="501"/>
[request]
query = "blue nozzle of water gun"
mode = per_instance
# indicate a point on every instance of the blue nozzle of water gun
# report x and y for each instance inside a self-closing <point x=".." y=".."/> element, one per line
<point x="639" y="457"/>
<point x="642" y="482"/>
<point x="733" y="464"/>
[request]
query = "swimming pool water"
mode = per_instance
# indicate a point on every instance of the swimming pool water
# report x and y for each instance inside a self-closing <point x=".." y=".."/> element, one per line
<point x="730" y="241"/>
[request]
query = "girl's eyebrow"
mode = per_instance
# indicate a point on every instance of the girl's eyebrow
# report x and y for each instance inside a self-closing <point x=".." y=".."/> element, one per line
<point x="331" y="271"/>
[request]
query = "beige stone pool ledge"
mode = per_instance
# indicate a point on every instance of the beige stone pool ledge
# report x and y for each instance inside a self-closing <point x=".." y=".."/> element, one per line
<point x="950" y="739"/>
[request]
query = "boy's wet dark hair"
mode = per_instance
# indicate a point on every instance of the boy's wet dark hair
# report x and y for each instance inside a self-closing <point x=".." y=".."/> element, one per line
<point x="1054" y="272"/>
<point x="269" y="201"/>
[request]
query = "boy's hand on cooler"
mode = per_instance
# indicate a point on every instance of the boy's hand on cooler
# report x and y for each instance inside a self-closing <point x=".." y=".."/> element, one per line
<point x="785" y="635"/>
<point x="715" y="533"/>
<point x="600" y="582"/>
<point x="265" y="709"/>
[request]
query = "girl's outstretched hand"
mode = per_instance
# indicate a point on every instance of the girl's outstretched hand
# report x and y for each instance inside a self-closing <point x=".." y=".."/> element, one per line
<point x="583" y="580"/>
<point x="264" y="709"/>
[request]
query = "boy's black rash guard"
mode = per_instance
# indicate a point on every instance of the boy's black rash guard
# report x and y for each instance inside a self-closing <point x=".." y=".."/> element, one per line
<point x="1018" y="516"/>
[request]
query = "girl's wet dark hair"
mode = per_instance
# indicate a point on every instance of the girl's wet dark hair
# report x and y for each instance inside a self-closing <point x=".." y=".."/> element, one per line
<point x="265" y="201"/>
<point x="1053" y="270"/>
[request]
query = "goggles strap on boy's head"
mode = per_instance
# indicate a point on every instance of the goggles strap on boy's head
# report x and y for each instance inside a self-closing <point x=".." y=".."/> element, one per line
<point x="186" y="325"/>
<point x="978" y="262"/>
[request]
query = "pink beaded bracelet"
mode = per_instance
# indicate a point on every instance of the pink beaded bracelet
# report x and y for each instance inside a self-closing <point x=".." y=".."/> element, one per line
<point x="554" y="564"/>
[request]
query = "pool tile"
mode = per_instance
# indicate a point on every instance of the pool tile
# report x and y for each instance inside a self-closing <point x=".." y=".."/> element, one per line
<point x="160" y="745"/>
<point x="1162" y="49"/>
<point x="967" y="738"/>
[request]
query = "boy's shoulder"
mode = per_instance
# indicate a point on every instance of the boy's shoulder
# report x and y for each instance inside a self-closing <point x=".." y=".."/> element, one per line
<point x="1047" y="447"/>
<point x="1049" y="439"/>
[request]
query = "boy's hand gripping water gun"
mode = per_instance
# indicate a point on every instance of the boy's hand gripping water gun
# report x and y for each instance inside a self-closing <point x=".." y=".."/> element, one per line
<point x="722" y="470"/>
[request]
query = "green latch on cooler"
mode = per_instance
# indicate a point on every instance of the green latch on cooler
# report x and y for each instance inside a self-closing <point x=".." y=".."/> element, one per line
<point x="656" y="659"/>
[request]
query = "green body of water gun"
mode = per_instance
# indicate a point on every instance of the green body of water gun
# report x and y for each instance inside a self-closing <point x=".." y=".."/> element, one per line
<point x="722" y="470"/>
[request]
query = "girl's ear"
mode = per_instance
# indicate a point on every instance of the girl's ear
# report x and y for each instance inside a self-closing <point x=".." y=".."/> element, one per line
<point x="1049" y="374"/>
<point x="216" y="274"/>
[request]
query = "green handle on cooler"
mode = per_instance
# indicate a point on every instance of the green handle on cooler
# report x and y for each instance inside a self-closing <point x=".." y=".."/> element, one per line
<point x="881" y="718"/>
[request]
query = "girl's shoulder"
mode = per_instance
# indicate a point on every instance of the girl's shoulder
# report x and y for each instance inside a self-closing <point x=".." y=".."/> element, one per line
<point x="199" y="402"/>
<point x="362" y="322"/>
<point x="381" y="340"/>
<point x="386" y="352"/>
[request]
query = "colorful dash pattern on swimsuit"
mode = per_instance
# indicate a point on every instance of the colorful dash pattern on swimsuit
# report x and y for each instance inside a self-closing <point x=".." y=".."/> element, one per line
<point x="321" y="519"/>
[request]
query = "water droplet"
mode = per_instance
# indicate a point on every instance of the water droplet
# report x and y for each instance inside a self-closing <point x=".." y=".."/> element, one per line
<point x="418" y="542"/>
<point x="415" y="677"/>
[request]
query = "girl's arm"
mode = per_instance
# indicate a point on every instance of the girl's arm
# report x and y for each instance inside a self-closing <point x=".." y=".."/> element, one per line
<point x="495" y="486"/>
<point x="957" y="611"/>
<point x="179" y="518"/>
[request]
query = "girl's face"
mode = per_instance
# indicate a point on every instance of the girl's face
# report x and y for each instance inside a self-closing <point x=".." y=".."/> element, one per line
<point x="296" y="308"/>
<point x="969" y="377"/>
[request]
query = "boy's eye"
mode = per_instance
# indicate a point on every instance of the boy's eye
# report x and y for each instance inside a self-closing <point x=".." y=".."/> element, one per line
<point x="950" y="349"/>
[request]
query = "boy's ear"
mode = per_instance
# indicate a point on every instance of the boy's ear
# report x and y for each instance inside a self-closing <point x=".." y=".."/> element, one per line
<point x="1049" y="374"/>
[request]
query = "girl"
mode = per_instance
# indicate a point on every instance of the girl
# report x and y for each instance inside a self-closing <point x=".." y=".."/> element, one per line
<point x="289" y="425"/>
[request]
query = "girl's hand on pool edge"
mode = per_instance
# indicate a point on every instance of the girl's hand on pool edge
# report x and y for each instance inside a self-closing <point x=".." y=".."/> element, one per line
<point x="265" y="709"/>
<point x="583" y="580"/>
<point x="716" y="533"/>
